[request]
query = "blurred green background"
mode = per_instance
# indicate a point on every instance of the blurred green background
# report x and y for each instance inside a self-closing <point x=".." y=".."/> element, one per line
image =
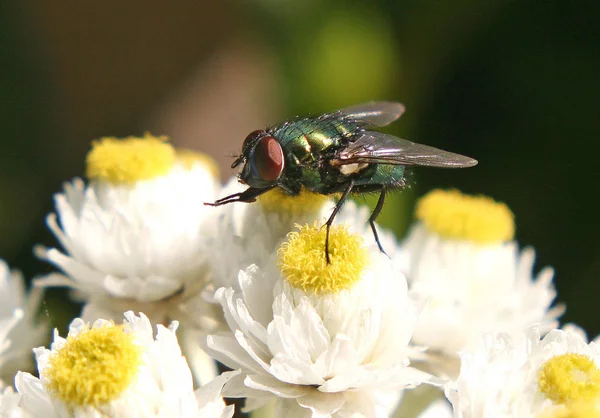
<point x="514" y="84"/>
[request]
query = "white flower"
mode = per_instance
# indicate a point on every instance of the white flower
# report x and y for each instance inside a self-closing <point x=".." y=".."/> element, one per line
<point x="469" y="276"/>
<point x="246" y="234"/>
<point x="117" y="371"/>
<point x="20" y="330"/>
<point x="522" y="376"/>
<point x="134" y="236"/>
<point x="325" y="340"/>
<point x="469" y="290"/>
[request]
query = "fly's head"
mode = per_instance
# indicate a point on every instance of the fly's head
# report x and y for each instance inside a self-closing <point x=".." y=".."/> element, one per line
<point x="263" y="159"/>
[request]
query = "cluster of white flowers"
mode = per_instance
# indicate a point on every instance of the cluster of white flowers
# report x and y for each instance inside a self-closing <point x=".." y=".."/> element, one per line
<point x="452" y="321"/>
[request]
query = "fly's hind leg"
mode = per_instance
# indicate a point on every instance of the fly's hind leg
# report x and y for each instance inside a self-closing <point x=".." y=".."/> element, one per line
<point x="332" y="217"/>
<point x="374" y="216"/>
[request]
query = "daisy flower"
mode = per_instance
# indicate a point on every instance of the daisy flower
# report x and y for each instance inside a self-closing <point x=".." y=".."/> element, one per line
<point x="522" y="376"/>
<point x="135" y="231"/>
<point x="135" y="236"/>
<point x="20" y="330"/>
<point x="465" y="269"/>
<point x="246" y="234"/>
<point x="321" y="339"/>
<point x="113" y="370"/>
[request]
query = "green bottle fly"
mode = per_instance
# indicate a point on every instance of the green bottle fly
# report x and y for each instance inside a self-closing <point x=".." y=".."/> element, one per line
<point x="335" y="153"/>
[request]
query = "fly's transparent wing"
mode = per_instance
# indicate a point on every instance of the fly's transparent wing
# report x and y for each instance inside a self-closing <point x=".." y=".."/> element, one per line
<point x="372" y="113"/>
<point x="376" y="147"/>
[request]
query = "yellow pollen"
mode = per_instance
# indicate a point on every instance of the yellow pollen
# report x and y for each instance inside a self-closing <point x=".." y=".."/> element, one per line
<point x="454" y="215"/>
<point x="302" y="259"/>
<point x="569" y="378"/>
<point x="277" y="201"/>
<point x="94" y="367"/>
<point x="129" y="160"/>
<point x="189" y="157"/>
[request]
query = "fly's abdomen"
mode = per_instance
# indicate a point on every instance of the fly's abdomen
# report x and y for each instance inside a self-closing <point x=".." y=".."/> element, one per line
<point x="381" y="176"/>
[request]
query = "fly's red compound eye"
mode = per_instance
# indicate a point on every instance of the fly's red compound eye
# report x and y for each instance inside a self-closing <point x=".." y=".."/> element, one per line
<point x="268" y="159"/>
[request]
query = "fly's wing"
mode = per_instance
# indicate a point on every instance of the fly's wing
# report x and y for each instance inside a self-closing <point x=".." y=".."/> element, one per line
<point x="372" y="113"/>
<point x="376" y="147"/>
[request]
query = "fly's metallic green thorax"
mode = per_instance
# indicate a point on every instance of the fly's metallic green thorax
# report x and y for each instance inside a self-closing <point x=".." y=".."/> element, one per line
<point x="338" y="152"/>
<point x="307" y="140"/>
<point x="308" y="144"/>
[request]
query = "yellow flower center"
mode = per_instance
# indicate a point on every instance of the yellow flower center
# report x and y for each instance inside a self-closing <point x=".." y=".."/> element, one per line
<point x="129" y="160"/>
<point x="94" y="367"/>
<point x="569" y="378"/>
<point x="189" y="157"/>
<point x="279" y="202"/>
<point x="302" y="259"/>
<point x="454" y="215"/>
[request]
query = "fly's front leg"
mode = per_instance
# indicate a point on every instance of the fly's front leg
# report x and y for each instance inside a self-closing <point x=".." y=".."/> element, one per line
<point x="249" y="195"/>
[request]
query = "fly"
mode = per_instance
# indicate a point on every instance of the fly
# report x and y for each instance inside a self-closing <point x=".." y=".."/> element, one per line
<point x="335" y="153"/>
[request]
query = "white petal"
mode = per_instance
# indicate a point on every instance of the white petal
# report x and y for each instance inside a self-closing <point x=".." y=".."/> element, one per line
<point x="322" y="404"/>
<point x="339" y="360"/>
<point x="281" y="389"/>
<point x="225" y="349"/>
<point x="34" y="398"/>
<point x="293" y="370"/>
